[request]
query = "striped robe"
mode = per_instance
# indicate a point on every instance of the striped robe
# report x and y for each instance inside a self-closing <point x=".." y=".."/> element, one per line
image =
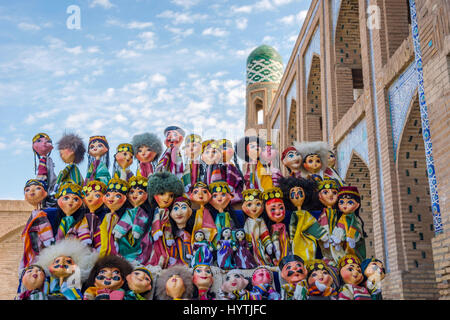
<point x="258" y="237"/>
<point x="70" y="172"/>
<point x="328" y="220"/>
<point x="98" y="171"/>
<point x="171" y="161"/>
<point x="79" y="230"/>
<point x="349" y="226"/>
<point x="280" y="240"/>
<point x="108" y="244"/>
<point x="353" y="292"/>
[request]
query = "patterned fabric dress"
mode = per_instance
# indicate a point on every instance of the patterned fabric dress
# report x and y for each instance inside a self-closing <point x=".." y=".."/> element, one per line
<point x="162" y="237"/>
<point x="235" y="180"/>
<point x="70" y="172"/>
<point x="280" y="239"/>
<point x="98" y="171"/>
<point x="258" y="236"/>
<point x="108" y="244"/>
<point x="243" y="258"/>
<point x="353" y="292"/>
<point x="71" y="229"/>
<point x="225" y="254"/>
<point x="202" y="253"/>
<point x="182" y="250"/>
<point x="328" y="220"/>
<point x="349" y="228"/>
<point x="172" y="162"/>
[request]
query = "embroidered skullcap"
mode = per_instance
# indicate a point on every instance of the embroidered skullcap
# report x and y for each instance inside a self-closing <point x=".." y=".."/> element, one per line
<point x="210" y="143"/>
<point x="102" y="139"/>
<point x="174" y="128"/>
<point x="117" y="185"/>
<point x="193" y="138"/>
<point x="125" y="147"/>
<point x="285" y="152"/>
<point x="348" y="190"/>
<point x="94" y="185"/>
<point x="219" y="186"/>
<point x="41" y="135"/>
<point x="69" y="187"/>
<point x="35" y="182"/>
<point x="348" y="259"/>
<point x="327" y="184"/>
<point x="138" y="182"/>
<point x="272" y="193"/>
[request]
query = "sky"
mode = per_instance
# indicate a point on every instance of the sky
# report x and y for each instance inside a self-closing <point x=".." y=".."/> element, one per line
<point x="123" y="67"/>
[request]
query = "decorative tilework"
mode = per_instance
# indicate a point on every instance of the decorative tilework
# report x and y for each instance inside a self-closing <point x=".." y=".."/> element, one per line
<point x="313" y="47"/>
<point x="400" y="94"/>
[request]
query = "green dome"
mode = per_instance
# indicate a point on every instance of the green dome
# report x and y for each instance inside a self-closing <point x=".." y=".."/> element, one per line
<point x="264" y="64"/>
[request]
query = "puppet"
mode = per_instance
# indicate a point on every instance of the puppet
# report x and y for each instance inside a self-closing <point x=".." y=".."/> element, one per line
<point x="98" y="160"/>
<point x="93" y="193"/>
<point x="209" y="170"/>
<point x="174" y="283"/>
<point x="231" y="173"/>
<point x="139" y="283"/>
<point x="315" y="159"/>
<point x="192" y="150"/>
<point x="204" y="221"/>
<point x="373" y="270"/>
<point x="181" y="220"/>
<point x="235" y="287"/>
<point x="304" y="230"/>
<point x="322" y="280"/>
<point x="171" y="159"/>
<point x="68" y="262"/>
<point x="348" y="235"/>
<point x="225" y="249"/>
<point x="292" y="160"/>
<point x="42" y="148"/>
<point x="256" y="231"/>
<point x="202" y="249"/>
<point x="262" y="280"/>
<point x="352" y="277"/>
<point x="71" y="150"/>
<point x="37" y="233"/>
<point x="203" y="279"/>
<point x="123" y="159"/>
<point x="107" y="279"/>
<point x="33" y="284"/>
<point x="294" y="273"/>
<point x="276" y="212"/>
<point x="243" y="257"/>
<point x="147" y="147"/>
<point x="330" y="172"/>
<point x="163" y="188"/>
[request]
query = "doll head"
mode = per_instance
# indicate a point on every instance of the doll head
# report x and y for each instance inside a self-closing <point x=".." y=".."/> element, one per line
<point x="262" y="276"/>
<point x="274" y="204"/>
<point x="124" y="155"/>
<point x="249" y="148"/>
<point x="34" y="192"/>
<point x="226" y="234"/>
<point x="268" y="153"/>
<point x="292" y="159"/>
<point x="163" y="188"/>
<point x="297" y="192"/>
<point x="98" y="147"/>
<point x="140" y="280"/>
<point x="227" y="150"/>
<point x="137" y="194"/>
<point x="211" y="152"/>
<point x="181" y="211"/>
<point x="69" y="198"/>
<point x="328" y="192"/>
<point x="348" y="199"/>
<point x="350" y="269"/>
<point x="331" y="159"/>
<point x="193" y="146"/>
<point x="373" y="269"/>
<point x="93" y="193"/>
<point x="62" y="267"/>
<point x="33" y="277"/>
<point x="252" y="205"/>
<point x="147" y="147"/>
<point x="174" y="283"/>
<point x="200" y="193"/>
<point x="320" y="272"/>
<point x="71" y="148"/>
<point x="202" y="277"/>
<point x="42" y="144"/>
<point x="116" y="194"/>
<point x="240" y="234"/>
<point x="314" y="155"/>
<point x="199" y="236"/>
<point x="109" y="272"/>
<point x="174" y="136"/>
<point x="292" y="269"/>
<point x="220" y="195"/>
<point x="234" y="280"/>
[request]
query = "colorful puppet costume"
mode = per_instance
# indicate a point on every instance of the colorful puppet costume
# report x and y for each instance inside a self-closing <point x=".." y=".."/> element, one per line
<point x="313" y="290"/>
<point x="222" y="219"/>
<point x="202" y="249"/>
<point x="204" y="220"/>
<point x="171" y="160"/>
<point x="98" y="168"/>
<point x="352" y="291"/>
<point x="242" y="256"/>
<point x="231" y="173"/>
<point x="32" y="293"/>
<point x="182" y="250"/>
<point x="46" y="168"/>
<point x="119" y="172"/>
<point x="209" y="173"/>
<point x="192" y="166"/>
<point x="71" y="172"/>
<point x="92" y="219"/>
<point x="225" y="250"/>
<point x="151" y="141"/>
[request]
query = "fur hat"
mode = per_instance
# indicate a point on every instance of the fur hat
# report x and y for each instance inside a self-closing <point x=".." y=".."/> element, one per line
<point x="111" y="261"/>
<point x="165" y="275"/>
<point x="161" y="182"/>
<point x="307" y="148"/>
<point x="75" y="143"/>
<point x="148" y="139"/>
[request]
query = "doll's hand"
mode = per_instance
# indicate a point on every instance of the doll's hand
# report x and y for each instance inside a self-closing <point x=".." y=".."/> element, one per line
<point x="269" y="249"/>
<point x="335" y="239"/>
<point x="189" y="256"/>
<point x="278" y="254"/>
<point x="218" y="247"/>
<point x="326" y="244"/>
<point x="351" y="242"/>
<point x="320" y="286"/>
<point x="170" y="242"/>
<point x="234" y="248"/>
<point x="117" y="234"/>
<point x="136" y="235"/>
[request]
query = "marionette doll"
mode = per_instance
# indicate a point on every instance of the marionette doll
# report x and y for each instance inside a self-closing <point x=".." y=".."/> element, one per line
<point x="98" y="160"/>
<point x="210" y="162"/>
<point x="269" y="159"/>
<point x="322" y="283"/>
<point x="163" y="188"/>
<point x="315" y="159"/>
<point x="42" y="148"/>
<point x="202" y="249"/>
<point x="115" y="199"/>
<point x="231" y="172"/>
<point x="235" y="287"/>
<point x="204" y="221"/>
<point x="33" y="284"/>
<point x="69" y="263"/>
<point x="37" y="233"/>
<point x="107" y="279"/>
<point x="348" y="235"/>
<point x="171" y="159"/>
<point x="147" y="147"/>
<point x="352" y="277"/>
<point x="304" y="230"/>
<point x="256" y="231"/>
<point x="243" y="257"/>
<point x="182" y="221"/>
<point x="130" y="229"/>
<point x="294" y="273"/>
<point x="192" y="151"/>
<point x="174" y="283"/>
<point x="71" y="150"/>
<point x="93" y="193"/>
<point x="123" y="159"/>
<point x="276" y="213"/>
<point x="255" y="175"/>
<point x="328" y="195"/>
<point x="203" y="279"/>
<point x="225" y="249"/>
<point x="373" y="270"/>
<point x="330" y="172"/>
<point x="139" y="283"/>
<point x="262" y="279"/>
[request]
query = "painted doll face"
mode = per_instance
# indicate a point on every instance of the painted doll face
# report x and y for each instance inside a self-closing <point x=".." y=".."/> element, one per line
<point x="253" y="208"/>
<point x="261" y="276"/>
<point x="351" y="274"/>
<point x="139" y="281"/>
<point x="42" y="146"/>
<point x="220" y="200"/>
<point x="199" y="236"/>
<point x="175" y="287"/>
<point x="312" y="163"/>
<point x="348" y="205"/>
<point x="180" y="213"/>
<point x="67" y="155"/>
<point x="62" y="267"/>
<point x="268" y="154"/>
<point x="294" y="272"/>
<point x="69" y="203"/>
<point x="275" y="210"/>
<point x="114" y="200"/>
<point x="322" y="276"/>
<point x="328" y="197"/>
<point x="173" y="139"/>
<point x="145" y="154"/>
<point x="211" y="155"/>
<point x="124" y="159"/>
<point x="203" y="277"/>
<point x="200" y="195"/>
<point x="253" y="150"/>
<point x="227" y="153"/>
<point x="93" y="200"/>
<point x="137" y="196"/>
<point x="293" y="160"/>
<point x="234" y="281"/>
<point x="33" y="278"/>
<point x="109" y="278"/>
<point x="97" y="149"/>
<point x="226" y="234"/>
<point x="164" y="200"/>
<point x="331" y="160"/>
<point x="193" y="150"/>
<point x="297" y="196"/>
<point x="34" y="194"/>
<point x="240" y="235"/>
<point x="375" y="271"/>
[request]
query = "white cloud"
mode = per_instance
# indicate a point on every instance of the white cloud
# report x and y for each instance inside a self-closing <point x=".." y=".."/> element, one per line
<point x="146" y="42"/>
<point x="75" y="50"/>
<point x="241" y="23"/>
<point x="28" y="26"/>
<point x="260" y="5"/>
<point x="127" y="54"/>
<point x="157" y="79"/>
<point x="130" y="25"/>
<point x="181" y="32"/>
<point x="185" y="3"/>
<point x="106" y="4"/>
<point x="294" y="18"/>
<point x="120" y="118"/>
<point x="182" y="17"/>
<point x="215" y="32"/>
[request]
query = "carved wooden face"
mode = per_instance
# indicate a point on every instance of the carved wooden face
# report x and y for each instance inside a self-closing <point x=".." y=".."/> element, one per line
<point x="240" y="235"/>
<point x="294" y="272"/>
<point x="175" y="287"/>
<point x="139" y="281"/>
<point x="297" y="196"/>
<point x="114" y="200"/>
<point x="193" y="150"/>
<point x="145" y="154"/>
<point x="164" y="200"/>
<point x="312" y="163"/>
<point x="42" y="146"/>
<point x="253" y="151"/>
<point x="97" y="149"/>
<point x="180" y="213"/>
<point x="200" y="195"/>
<point x="109" y="278"/>
<point x="124" y="159"/>
<point x="227" y="153"/>
<point x="69" y="203"/>
<point x="33" y="278"/>
<point x="203" y="278"/>
<point x="331" y="160"/>
<point x="275" y="210"/>
<point x="253" y="208"/>
<point x="34" y="194"/>
<point x="62" y="267"/>
<point x="352" y="274"/>
<point x="93" y="200"/>
<point x="375" y="271"/>
<point x="137" y="196"/>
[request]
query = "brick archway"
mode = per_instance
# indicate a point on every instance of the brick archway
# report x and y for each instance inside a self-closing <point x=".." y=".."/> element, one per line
<point x="313" y="118"/>
<point x="292" y="123"/>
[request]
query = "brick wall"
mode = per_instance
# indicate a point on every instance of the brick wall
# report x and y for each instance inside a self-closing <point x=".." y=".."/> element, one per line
<point x="314" y="107"/>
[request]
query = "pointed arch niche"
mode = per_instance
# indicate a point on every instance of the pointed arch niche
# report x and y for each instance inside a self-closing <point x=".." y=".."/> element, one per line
<point x="313" y="112"/>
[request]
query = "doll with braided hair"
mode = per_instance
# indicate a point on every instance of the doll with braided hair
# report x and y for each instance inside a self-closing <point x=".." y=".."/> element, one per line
<point x="98" y="160"/>
<point x="123" y="159"/>
<point x="45" y="171"/>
